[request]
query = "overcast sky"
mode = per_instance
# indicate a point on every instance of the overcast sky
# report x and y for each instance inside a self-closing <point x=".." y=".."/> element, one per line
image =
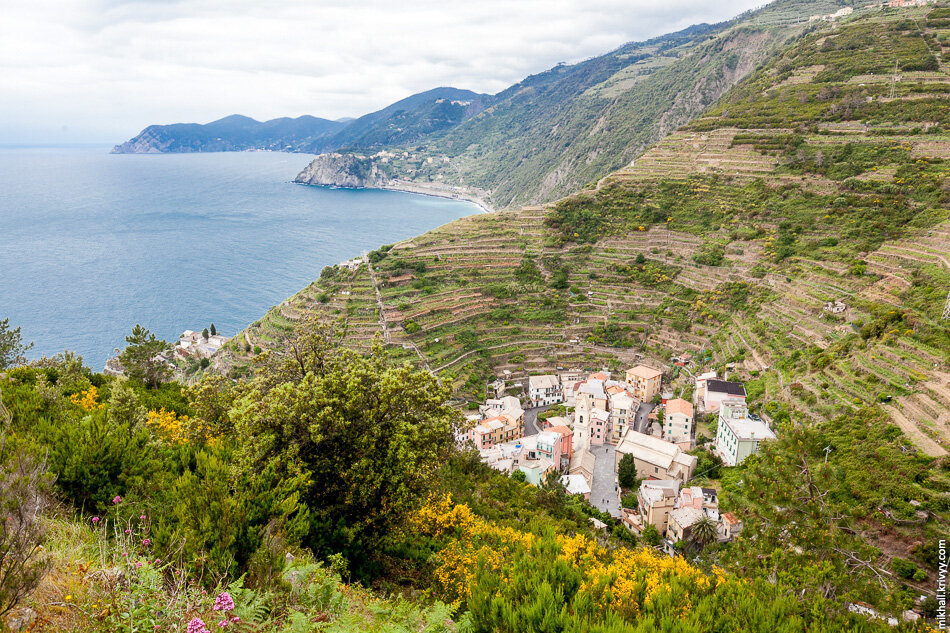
<point x="79" y="71"/>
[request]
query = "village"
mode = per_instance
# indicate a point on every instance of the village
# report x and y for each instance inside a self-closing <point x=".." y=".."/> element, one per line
<point x="576" y="428"/>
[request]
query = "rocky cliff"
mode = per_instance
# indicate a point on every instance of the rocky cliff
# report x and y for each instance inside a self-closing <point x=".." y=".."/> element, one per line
<point x="342" y="170"/>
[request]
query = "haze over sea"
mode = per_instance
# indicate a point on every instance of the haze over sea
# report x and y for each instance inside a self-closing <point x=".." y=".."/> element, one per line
<point x="93" y="243"/>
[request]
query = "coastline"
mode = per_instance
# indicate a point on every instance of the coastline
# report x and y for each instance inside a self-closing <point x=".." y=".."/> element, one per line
<point x="437" y="192"/>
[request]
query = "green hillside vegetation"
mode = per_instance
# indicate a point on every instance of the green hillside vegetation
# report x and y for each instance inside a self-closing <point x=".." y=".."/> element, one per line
<point x="312" y="474"/>
<point x="727" y="240"/>
<point x="240" y="505"/>
<point x="555" y="132"/>
<point x="731" y="239"/>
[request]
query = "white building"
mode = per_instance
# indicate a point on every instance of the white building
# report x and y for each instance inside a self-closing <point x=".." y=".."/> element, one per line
<point x="739" y="435"/>
<point x="544" y="390"/>
<point x="718" y="390"/>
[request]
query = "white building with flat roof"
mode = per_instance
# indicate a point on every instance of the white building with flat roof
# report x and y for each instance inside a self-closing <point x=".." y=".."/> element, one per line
<point x="738" y="435"/>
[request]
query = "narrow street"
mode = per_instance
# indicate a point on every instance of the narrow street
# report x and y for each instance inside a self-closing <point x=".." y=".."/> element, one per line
<point x="531" y="420"/>
<point x="642" y="423"/>
<point x="603" y="493"/>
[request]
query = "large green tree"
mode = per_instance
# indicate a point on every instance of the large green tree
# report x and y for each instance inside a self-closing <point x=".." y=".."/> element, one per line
<point x="141" y="358"/>
<point x="369" y="434"/>
<point x="12" y="347"/>
<point x="627" y="472"/>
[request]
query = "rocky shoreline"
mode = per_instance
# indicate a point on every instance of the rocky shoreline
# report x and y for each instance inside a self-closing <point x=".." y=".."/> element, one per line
<point x="439" y="192"/>
<point x="358" y="172"/>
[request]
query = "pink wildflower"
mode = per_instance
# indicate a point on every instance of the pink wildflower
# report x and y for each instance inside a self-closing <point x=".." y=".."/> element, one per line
<point x="138" y="564"/>
<point x="142" y="518"/>
<point x="197" y="625"/>
<point x="117" y="499"/>
<point x="235" y="619"/>
<point x="95" y="519"/>
<point x="223" y="624"/>
<point x="224" y="602"/>
<point x="128" y="531"/>
<point x="147" y="542"/>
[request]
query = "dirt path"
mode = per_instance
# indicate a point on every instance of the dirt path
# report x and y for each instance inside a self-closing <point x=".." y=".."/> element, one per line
<point x="379" y="302"/>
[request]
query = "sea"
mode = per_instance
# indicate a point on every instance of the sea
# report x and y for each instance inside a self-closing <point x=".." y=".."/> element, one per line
<point x="92" y="243"/>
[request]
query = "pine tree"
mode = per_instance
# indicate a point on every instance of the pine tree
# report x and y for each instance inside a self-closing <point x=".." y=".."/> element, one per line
<point x="214" y="330"/>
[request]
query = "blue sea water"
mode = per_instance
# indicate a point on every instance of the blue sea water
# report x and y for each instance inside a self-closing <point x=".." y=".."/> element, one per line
<point x="93" y="243"/>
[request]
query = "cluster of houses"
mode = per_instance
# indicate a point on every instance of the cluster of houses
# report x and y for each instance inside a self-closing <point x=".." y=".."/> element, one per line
<point x="673" y="509"/>
<point x="831" y="17"/>
<point x="637" y="419"/>
<point x="194" y="345"/>
<point x="190" y="345"/>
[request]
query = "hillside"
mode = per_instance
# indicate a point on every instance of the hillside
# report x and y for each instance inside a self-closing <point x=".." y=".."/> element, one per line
<point x="545" y="136"/>
<point x="405" y="121"/>
<point x="820" y="178"/>
<point x="233" y="133"/>
<point x="556" y="131"/>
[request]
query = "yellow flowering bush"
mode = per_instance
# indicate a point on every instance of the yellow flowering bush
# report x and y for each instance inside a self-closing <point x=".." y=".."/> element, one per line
<point x="168" y="425"/>
<point x="87" y="400"/>
<point x="627" y="582"/>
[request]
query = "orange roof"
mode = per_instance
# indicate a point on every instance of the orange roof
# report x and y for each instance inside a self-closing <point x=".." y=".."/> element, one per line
<point x="647" y="373"/>
<point x="679" y="406"/>
<point x="613" y="389"/>
<point x="598" y="376"/>
<point x="729" y="517"/>
<point x="563" y="430"/>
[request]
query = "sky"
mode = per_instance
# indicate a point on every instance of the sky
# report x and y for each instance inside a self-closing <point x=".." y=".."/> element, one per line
<point x="98" y="71"/>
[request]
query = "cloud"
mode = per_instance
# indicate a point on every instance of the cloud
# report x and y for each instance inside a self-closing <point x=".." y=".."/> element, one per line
<point x="104" y="69"/>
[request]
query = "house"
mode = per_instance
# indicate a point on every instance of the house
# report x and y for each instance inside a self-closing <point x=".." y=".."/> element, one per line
<point x="501" y="457"/>
<point x="567" y="440"/>
<point x="731" y="526"/>
<point x="718" y="390"/>
<point x="599" y="426"/>
<point x="555" y="420"/>
<point x="589" y="395"/>
<point x="623" y="411"/>
<point x="644" y="382"/>
<point x="190" y="336"/>
<point x="576" y="485"/>
<point x="482" y="436"/>
<point x="655" y="458"/>
<point x="681" y="520"/>
<point x="656" y="499"/>
<point x="678" y="422"/>
<point x="508" y="410"/>
<point x="536" y="470"/>
<point x="548" y="445"/>
<point x="738" y="435"/>
<point x="568" y="379"/>
<point x="544" y="390"/>
<point x="582" y="463"/>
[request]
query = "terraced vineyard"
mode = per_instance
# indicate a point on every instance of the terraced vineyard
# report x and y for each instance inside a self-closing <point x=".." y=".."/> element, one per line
<point x="820" y="181"/>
